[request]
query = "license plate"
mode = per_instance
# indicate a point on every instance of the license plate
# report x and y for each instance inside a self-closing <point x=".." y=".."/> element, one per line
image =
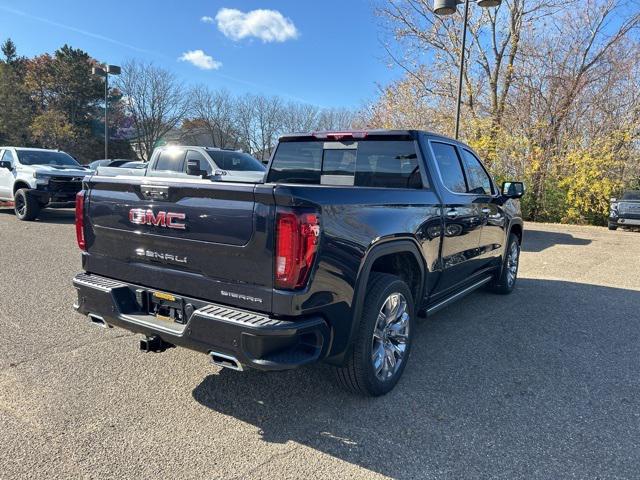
<point x="166" y="307"/>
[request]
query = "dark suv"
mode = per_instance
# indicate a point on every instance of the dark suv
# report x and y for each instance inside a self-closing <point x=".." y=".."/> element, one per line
<point x="625" y="212"/>
<point x="330" y="258"/>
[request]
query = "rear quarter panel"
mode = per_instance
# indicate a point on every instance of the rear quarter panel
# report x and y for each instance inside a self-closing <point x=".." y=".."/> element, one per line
<point x="354" y="220"/>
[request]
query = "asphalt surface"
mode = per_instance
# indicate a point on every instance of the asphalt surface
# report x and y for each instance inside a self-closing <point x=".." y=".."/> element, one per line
<point x="540" y="384"/>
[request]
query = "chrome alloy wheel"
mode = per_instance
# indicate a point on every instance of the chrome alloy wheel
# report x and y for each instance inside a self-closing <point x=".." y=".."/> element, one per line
<point x="390" y="336"/>
<point x="512" y="264"/>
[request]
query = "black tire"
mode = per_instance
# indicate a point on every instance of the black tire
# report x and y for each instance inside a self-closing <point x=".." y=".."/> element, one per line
<point x="358" y="375"/>
<point x="504" y="283"/>
<point x="26" y="206"/>
<point x="613" y="227"/>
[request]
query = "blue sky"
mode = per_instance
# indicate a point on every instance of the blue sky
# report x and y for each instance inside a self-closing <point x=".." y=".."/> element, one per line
<point x="329" y="52"/>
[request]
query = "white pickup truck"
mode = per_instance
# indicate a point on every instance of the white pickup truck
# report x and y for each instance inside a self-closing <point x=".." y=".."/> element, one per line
<point x="35" y="178"/>
<point x="187" y="161"/>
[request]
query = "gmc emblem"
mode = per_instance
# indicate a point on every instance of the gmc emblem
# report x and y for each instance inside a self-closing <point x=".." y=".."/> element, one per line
<point x="140" y="216"/>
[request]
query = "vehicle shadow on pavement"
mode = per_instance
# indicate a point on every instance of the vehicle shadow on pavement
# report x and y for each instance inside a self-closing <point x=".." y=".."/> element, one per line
<point x="537" y="240"/>
<point x="66" y="216"/>
<point x="544" y="380"/>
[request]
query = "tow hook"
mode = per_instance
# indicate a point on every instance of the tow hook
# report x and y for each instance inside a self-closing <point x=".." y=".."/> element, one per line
<point x="154" y="344"/>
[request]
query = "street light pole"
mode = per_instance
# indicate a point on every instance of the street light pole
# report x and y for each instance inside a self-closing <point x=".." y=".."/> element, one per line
<point x="449" y="7"/>
<point x="106" y="114"/>
<point x="461" y="73"/>
<point x="104" y="71"/>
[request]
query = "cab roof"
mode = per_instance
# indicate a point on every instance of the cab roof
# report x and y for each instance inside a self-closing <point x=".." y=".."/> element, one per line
<point x="361" y="134"/>
<point x="29" y="149"/>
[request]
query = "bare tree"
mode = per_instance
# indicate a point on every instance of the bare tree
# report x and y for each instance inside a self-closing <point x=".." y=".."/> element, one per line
<point x="155" y="100"/>
<point x="550" y="89"/>
<point x="578" y="58"/>
<point x="216" y="112"/>
<point x="260" y="120"/>
<point x="299" y="117"/>
<point x="492" y="51"/>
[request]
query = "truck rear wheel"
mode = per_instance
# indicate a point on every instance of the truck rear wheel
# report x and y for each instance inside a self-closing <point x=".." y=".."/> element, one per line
<point x="383" y="341"/>
<point x="26" y="206"/>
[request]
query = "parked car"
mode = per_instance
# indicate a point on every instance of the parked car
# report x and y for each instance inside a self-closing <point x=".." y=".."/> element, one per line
<point x="625" y="212"/>
<point x="35" y="178"/>
<point x="127" y="168"/>
<point x="110" y="162"/>
<point x="331" y="259"/>
<point x="137" y="165"/>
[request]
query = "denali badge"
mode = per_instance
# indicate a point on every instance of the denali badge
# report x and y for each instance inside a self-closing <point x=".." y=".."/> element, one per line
<point x="164" y="257"/>
<point x="140" y="216"/>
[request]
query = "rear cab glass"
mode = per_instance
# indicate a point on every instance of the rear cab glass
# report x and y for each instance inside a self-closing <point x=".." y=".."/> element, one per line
<point x="362" y="163"/>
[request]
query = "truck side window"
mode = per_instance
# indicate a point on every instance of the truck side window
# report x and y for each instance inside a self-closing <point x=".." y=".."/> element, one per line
<point x="479" y="181"/>
<point x="449" y="166"/>
<point x="171" y="159"/>
<point x="8" y="157"/>
<point x="205" y="165"/>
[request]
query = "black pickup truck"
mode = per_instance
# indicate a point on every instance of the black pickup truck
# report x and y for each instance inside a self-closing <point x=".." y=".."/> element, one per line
<point x="350" y="236"/>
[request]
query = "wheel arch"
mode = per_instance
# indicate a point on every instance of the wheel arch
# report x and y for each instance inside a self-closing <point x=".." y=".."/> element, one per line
<point x="379" y="256"/>
<point x="20" y="184"/>
<point x="516" y="228"/>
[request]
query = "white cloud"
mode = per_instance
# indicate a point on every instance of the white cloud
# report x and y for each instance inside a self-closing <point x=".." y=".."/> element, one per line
<point x="200" y="60"/>
<point x="207" y="19"/>
<point x="267" y="25"/>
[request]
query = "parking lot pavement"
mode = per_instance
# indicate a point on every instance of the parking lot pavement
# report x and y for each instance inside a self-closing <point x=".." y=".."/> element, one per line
<point x="540" y="384"/>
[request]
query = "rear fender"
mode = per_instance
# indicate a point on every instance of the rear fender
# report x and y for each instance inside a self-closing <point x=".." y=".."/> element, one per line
<point x="377" y="251"/>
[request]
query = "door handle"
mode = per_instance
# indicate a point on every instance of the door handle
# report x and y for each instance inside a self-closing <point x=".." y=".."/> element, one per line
<point x="452" y="213"/>
<point x="486" y="211"/>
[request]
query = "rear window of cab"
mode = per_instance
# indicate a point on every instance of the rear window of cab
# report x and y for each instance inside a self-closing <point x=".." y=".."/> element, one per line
<point x="368" y="163"/>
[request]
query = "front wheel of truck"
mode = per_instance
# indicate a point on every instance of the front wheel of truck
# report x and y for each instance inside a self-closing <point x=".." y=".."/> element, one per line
<point x="26" y="206"/>
<point x="383" y="341"/>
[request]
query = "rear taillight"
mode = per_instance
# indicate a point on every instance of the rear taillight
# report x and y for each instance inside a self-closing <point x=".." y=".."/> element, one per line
<point x="297" y="238"/>
<point x="80" y="220"/>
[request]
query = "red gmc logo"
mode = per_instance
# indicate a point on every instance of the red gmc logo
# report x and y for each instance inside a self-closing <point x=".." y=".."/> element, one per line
<point x="140" y="216"/>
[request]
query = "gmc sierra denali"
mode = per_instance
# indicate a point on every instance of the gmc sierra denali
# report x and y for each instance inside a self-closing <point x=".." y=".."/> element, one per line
<point x="330" y="258"/>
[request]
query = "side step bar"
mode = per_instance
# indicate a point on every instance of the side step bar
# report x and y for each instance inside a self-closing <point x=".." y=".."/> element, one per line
<point x="457" y="296"/>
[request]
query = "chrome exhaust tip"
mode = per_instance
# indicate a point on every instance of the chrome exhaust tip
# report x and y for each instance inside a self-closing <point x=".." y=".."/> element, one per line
<point x="98" y="320"/>
<point x="226" y="361"/>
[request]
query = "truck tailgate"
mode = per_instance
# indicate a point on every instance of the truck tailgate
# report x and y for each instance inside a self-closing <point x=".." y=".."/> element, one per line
<point x="210" y="240"/>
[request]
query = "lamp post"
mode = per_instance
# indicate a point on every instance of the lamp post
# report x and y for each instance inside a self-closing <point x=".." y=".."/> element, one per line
<point x="105" y="71"/>
<point x="449" y="7"/>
